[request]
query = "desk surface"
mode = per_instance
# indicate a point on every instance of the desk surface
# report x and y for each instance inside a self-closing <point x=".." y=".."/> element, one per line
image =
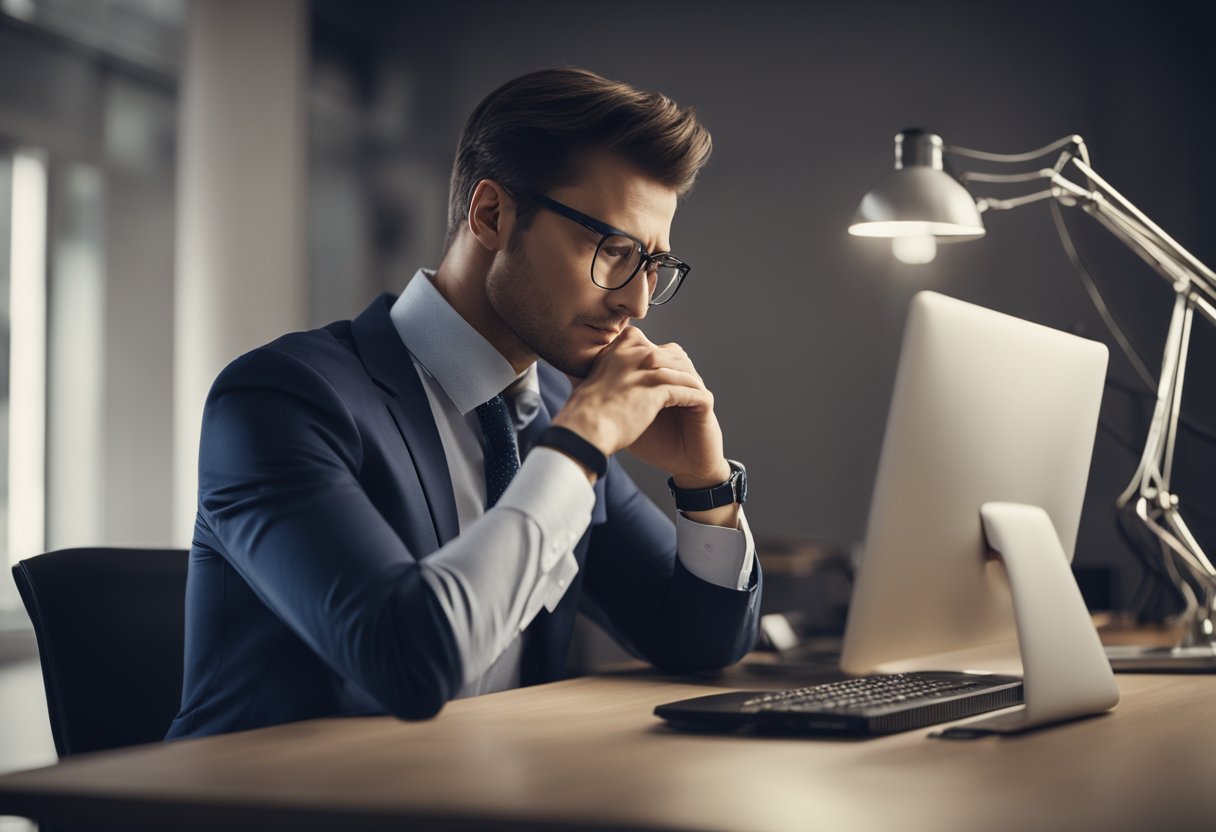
<point x="587" y="753"/>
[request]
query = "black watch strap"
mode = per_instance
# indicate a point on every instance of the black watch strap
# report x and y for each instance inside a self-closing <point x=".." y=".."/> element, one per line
<point x="734" y="490"/>
<point x="575" y="447"/>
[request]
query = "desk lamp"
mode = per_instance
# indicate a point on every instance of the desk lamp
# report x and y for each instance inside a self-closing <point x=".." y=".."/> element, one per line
<point x="920" y="204"/>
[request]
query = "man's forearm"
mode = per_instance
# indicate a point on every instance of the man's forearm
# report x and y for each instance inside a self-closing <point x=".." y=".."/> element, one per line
<point x="492" y="580"/>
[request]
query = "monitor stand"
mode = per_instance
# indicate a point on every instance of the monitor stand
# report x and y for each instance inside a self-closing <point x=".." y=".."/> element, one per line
<point x="1065" y="673"/>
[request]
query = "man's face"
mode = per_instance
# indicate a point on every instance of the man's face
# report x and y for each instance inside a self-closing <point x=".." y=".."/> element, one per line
<point x="541" y="288"/>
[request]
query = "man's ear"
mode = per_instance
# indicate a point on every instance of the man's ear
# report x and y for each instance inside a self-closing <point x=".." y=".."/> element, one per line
<point x="491" y="215"/>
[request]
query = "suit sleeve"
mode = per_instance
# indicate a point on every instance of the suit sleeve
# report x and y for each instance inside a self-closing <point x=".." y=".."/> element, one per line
<point x="642" y="593"/>
<point x="278" y="486"/>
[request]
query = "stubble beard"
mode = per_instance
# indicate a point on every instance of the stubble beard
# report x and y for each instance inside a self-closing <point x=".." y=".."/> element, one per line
<point x="516" y="295"/>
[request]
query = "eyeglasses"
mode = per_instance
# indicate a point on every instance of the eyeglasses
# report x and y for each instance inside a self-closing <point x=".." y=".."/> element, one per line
<point x="620" y="256"/>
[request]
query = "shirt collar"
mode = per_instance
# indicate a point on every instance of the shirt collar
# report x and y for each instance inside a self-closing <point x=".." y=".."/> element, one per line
<point x="468" y="369"/>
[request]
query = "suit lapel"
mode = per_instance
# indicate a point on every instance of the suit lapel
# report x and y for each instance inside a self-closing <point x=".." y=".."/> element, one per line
<point x="389" y="364"/>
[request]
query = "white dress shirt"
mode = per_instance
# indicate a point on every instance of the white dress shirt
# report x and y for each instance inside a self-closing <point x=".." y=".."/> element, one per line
<point x="508" y="563"/>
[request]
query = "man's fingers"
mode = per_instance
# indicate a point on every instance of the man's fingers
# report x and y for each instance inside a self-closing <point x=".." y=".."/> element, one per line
<point x="649" y="356"/>
<point x="670" y="375"/>
<point x="671" y="355"/>
<point x="680" y="388"/>
<point x="631" y="336"/>
<point x="679" y="395"/>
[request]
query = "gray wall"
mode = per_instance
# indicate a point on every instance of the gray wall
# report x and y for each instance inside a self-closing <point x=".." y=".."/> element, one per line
<point x="794" y="324"/>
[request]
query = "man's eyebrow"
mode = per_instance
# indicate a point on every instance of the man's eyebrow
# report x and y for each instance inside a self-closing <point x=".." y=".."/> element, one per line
<point x="646" y="244"/>
<point x="616" y="229"/>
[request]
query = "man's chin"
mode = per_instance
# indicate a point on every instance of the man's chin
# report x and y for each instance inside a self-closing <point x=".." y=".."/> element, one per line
<point x="574" y="364"/>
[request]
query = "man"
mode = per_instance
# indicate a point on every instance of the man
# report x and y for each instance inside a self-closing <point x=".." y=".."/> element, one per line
<point x="411" y="506"/>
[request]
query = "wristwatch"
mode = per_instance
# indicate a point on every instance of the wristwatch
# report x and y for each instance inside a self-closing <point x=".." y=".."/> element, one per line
<point x="734" y="490"/>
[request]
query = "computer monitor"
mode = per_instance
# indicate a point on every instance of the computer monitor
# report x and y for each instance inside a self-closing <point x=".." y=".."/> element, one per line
<point x="987" y="409"/>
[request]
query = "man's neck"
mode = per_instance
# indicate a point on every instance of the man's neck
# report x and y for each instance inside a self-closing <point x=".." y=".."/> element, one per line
<point x="461" y="280"/>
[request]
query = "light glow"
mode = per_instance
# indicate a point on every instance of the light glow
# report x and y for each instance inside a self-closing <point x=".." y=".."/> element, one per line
<point x="27" y="360"/>
<point x="20" y="9"/>
<point x="915" y="251"/>
<point x="914" y="228"/>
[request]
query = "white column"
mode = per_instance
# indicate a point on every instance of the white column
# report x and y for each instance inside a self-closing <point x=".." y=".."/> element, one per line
<point x="77" y="382"/>
<point x="27" y="359"/>
<point x="240" y="273"/>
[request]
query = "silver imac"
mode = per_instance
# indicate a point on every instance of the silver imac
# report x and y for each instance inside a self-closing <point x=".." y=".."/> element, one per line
<point x="975" y="510"/>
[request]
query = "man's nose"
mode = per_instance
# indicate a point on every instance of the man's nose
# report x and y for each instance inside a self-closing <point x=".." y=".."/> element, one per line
<point x="633" y="299"/>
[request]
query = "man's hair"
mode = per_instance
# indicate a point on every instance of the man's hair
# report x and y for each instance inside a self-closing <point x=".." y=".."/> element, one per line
<point x="530" y="135"/>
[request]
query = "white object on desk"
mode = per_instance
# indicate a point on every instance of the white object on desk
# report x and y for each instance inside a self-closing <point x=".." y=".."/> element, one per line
<point x="988" y="410"/>
<point x="1065" y="671"/>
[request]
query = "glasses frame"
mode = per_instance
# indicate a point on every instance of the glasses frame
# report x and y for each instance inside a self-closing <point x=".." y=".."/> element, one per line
<point x="659" y="258"/>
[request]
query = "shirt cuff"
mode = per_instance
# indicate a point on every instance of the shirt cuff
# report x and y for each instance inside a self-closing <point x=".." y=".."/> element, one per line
<point x="716" y="554"/>
<point x="553" y="491"/>
<point x="556" y="495"/>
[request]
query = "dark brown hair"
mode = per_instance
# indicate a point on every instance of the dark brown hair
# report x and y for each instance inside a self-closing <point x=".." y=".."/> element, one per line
<point x="530" y="133"/>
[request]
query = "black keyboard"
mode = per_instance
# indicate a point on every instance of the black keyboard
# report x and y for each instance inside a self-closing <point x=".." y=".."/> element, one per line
<point x="860" y="706"/>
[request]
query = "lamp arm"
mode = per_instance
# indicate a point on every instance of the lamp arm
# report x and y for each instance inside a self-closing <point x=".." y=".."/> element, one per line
<point x="986" y="156"/>
<point x="1159" y="251"/>
<point x="989" y="203"/>
<point x="1123" y="219"/>
<point x="1156" y="230"/>
<point x="1029" y="176"/>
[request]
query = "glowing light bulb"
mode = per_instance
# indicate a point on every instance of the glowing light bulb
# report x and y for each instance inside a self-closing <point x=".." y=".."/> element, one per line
<point x="915" y="251"/>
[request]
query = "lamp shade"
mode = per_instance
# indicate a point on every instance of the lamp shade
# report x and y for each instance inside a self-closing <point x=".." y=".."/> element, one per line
<point x="918" y="198"/>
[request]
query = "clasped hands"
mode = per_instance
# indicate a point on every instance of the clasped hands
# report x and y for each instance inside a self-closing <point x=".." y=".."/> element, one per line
<point x="648" y="399"/>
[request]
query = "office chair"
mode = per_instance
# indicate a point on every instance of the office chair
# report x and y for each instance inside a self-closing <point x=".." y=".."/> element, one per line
<point x="110" y="629"/>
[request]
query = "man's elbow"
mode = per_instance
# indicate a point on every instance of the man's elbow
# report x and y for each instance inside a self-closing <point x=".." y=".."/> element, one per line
<point x="697" y="653"/>
<point x="417" y="709"/>
<point x="412" y="693"/>
<point x="414" y="662"/>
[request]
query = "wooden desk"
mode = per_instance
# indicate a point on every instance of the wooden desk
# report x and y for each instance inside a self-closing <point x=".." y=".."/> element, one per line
<point x="587" y="753"/>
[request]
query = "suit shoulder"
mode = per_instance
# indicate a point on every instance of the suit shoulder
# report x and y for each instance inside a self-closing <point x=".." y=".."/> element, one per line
<point x="317" y="347"/>
<point x="325" y="353"/>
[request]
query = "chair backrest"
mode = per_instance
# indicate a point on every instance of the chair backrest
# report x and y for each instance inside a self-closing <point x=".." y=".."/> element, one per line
<point x="110" y="625"/>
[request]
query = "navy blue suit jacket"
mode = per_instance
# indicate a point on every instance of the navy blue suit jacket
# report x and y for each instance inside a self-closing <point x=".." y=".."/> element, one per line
<point x="323" y="484"/>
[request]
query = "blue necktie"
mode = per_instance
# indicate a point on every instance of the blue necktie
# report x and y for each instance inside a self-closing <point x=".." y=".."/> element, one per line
<point x="502" y="452"/>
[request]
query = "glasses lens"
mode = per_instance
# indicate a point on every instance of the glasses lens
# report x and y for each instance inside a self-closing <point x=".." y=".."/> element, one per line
<point x="615" y="262"/>
<point x="664" y="283"/>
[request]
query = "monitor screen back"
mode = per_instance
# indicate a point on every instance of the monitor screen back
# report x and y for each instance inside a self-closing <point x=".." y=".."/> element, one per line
<point x="986" y="408"/>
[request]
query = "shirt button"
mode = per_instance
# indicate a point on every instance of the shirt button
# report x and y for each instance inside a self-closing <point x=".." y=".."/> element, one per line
<point x="561" y="583"/>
